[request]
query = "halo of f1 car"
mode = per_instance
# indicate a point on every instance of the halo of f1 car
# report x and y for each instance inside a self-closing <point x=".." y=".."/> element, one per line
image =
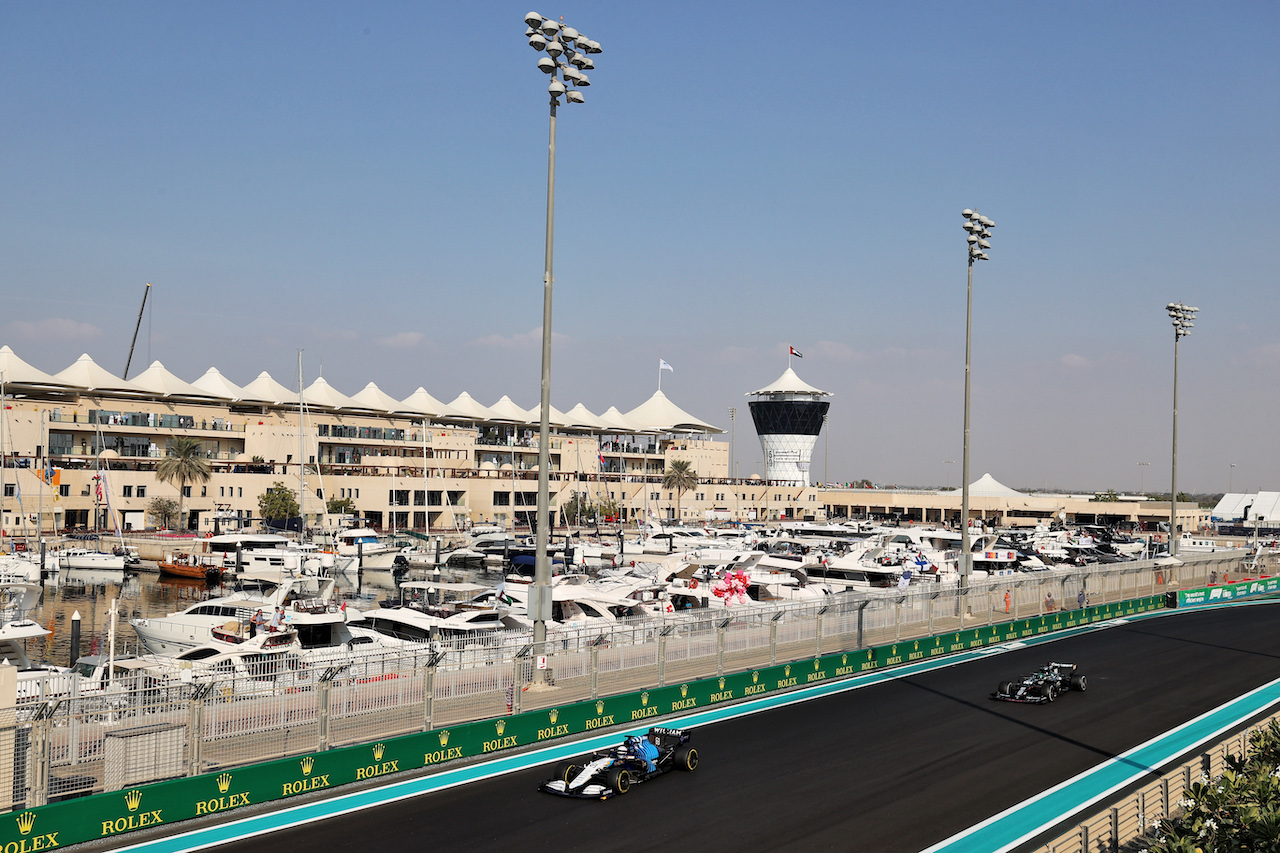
<point x="612" y="772"/>
<point x="1044" y="685"/>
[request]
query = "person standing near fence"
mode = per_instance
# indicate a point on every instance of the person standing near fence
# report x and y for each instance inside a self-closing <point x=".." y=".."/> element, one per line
<point x="1008" y="599"/>
<point x="1080" y="598"/>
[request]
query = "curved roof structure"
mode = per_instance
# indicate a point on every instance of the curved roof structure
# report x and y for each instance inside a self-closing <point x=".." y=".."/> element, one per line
<point x="661" y="415"/>
<point x="321" y="393"/>
<point x="465" y="407"/>
<point x="987" y="486"/>
<point x="374" y="399"/>
<point x="86" y="374"/>
<point x="614" y="421"/>
<point x="218" y="385"/>
<point x="158" y="380"/>
<point x="556" y="417"/>
<point x="579" y="417"/>
<point x="264" y="389"/>
<point x="505" y="410"/>
<point x="422" y="403"/>
<point x="790" y="383"/>
<point x="18" y="372"/>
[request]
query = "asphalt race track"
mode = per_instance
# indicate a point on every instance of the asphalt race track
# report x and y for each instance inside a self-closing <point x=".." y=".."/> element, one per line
<point x="896" y="766"/>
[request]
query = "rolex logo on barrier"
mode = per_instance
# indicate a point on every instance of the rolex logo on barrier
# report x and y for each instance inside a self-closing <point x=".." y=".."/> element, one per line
<point x="894" y="651"/>
<point x="501" y="726"/>
<point x="816" y="665"/>
<point x="134" y="820"/>
<point x="308" y="764"/>
<point x="379" y="767"/>
<point x="644" y="698"/>
<point x="844" y="660"/>
<point x="553" y="714"/>
<point x="444" y="738"/>
<point x="600" y="707"/>
<point x="870" y="654"/>
<point x="379" y="749"/>
<point x="755" y="676"/>
<point x="133" y="799"/>
<point x="722" y="682"/>
<point x="224" y="782"/>
<point x="684" y="690"/>
<point x="786" y="671"/>
<point x="26" y="821"/>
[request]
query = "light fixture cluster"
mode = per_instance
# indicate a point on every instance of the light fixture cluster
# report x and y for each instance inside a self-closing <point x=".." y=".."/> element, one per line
<point x="1182" y="316"/>
<point x="567" y="56"/>
<point x="979" y="228"/>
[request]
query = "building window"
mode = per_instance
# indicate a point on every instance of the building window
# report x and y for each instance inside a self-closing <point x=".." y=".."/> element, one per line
<point x="240" y="490"/>
<point x="320" y="494"/>
<point x="126" y="491"/>
<point x="186" y="491"/>
<point x="64" y="491"/>
<point x="653" y="496"/>
<point x="142" y="491"/>
<point x="204" y="491"/>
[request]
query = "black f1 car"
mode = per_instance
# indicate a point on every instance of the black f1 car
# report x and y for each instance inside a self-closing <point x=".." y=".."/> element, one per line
<point x="1043" y="685"/>
<point x="611" y="772"/>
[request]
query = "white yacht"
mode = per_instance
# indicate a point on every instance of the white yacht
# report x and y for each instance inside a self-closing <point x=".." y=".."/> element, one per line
<point x="83" y="558"/>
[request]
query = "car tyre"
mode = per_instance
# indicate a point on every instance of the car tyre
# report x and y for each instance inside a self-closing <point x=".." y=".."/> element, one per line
<point x="686" y="757"/>
<point x="1048" y="693"/>
<point x="1005" y="688"/>
<point x="619" y="779"/>
<point x="1079" y="682"/>
<point x="566" y="771"/>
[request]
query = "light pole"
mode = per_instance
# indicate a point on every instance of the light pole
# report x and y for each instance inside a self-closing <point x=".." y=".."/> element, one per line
<point x="1182" y="316"/>
<point x="979" y="231"/>
<point x="566" y="52"/>
<point x="733" y="415"/>
<point x="1142" y="477"/>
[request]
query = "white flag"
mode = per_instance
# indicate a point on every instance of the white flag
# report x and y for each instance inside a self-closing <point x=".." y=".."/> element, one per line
<point x="662" y="365"/>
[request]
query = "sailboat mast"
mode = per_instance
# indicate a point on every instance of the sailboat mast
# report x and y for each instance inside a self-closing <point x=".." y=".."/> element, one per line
<point x="302" y="459"/>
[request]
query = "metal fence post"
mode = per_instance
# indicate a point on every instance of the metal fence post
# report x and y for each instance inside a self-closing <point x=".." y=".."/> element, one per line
<point x="773" y="641"/>
<point x="195" y="736"/>
<point x="38" y="789"/>
<point x="720" y="647"/>
<point x="897" y="618"/>
<point x="817" y="638"/>
<point x="595" y="672"/>
<point x="517" y="690"/>
<point x="322" y="715"/>
<point x="428" y="696"/>
<point x="662" y="659"/>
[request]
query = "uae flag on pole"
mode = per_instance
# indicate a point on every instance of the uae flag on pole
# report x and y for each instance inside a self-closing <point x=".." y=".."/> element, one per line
<point x="796" y="354"/>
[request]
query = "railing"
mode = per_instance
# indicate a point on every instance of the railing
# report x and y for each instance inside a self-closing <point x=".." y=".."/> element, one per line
<point x="68" y="730"/>
<point x="148" y="420"/>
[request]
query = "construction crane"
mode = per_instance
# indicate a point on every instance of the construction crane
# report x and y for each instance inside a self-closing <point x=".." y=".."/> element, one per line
<point x="136" y="327"/>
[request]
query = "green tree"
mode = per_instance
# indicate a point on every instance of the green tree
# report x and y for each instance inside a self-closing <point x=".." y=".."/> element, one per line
<point x="340" y="506"/>
<point x="1109" y="496"/>
<point x="278" y="502"/>
<point x="184" y="463"/>
<point x="162" y="511"/>
<point x="680" y="477"/>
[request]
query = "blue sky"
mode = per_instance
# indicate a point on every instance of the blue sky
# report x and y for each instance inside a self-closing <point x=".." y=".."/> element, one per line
<point x="367" y="182"/>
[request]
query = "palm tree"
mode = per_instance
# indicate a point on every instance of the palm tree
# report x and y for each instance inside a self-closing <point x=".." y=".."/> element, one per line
<point x="679" y="478"/>
<point x="184" y="463"/>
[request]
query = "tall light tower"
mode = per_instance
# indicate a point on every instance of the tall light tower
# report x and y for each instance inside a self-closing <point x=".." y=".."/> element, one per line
<point x="566" y="52"/>
<point x="979" y="233"/>
<point x="1182" y="317"/>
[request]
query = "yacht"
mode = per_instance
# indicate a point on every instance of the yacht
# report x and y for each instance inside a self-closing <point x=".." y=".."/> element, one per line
<point x="83" y="558"/>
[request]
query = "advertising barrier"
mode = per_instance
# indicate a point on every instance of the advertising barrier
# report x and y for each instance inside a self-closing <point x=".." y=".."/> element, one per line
<point x="162" y="803"/>
<point x="1222" y="593"/>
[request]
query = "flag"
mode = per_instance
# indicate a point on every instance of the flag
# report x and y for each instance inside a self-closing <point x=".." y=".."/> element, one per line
<point x="662" y="365"/>
<point x="796" y="354"/>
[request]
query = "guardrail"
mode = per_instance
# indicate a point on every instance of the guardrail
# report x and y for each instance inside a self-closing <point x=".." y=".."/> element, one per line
<point x="72" y="743"/>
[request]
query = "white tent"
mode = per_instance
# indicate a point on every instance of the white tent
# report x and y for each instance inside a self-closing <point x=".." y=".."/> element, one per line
<point x="465" y="407"/>
<point x="218" y="385"/>
<point x="159" y="381"/>
<point x="661" y="415"/>
<point x="18" y="372"/>
<point x="321" y="393"/>
<point x="987" y="486"/>
<point x="85" y="373"/>
<point x="422" y="403"/>
<point x="556" y="417"/>
<point x="374" y="399"/>
<point x="505" y="410"/>
<point x="579" y="417"/>
<point x="614" y="421"/>
<point x="267" y="390"/>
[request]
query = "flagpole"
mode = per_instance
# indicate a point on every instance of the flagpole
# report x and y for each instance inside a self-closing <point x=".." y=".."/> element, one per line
<point x="659" y="373"/>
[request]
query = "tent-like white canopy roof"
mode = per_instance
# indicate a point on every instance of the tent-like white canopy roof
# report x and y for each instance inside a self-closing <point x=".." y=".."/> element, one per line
<point x="218" y="385"/>
<point x="85" y="373"/>
<point x="556" y="417"/>
<point x="790" y="383"/>
<point x="987" y="486"/>
<point x="1261" y="507"/>
<point x="374" y="399"/>
<point x="158" y="380"/>
<point x="321" y="393"/>
<point x="615" y="421"/>
<point x="267" y="390"/>
<point x="422" y="403"/>
<point x="465" y="407"/>
<point x="506" y="410"/>
<point x="661" y="415"/>
<point x="18" y="372"/>
<point x="580" y="417"/>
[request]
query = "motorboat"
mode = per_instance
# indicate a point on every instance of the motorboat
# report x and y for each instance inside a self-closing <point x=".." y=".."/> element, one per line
<point x="83" y="558"/>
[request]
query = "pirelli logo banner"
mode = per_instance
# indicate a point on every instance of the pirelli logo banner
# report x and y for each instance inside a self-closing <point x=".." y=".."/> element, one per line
<point x="117" y="813"/>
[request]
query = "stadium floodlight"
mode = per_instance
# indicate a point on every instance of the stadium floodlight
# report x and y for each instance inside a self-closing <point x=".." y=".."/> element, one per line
<point x="978" y="236"/>
<point x="1181" y="315"/>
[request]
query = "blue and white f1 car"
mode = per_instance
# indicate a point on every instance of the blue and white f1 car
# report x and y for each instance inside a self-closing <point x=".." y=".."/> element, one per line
<point x="611" y="772"/>
<point x="1043" y="685"/>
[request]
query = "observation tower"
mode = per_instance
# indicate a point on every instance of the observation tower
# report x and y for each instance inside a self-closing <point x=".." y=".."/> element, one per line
<point x="788" y="415"/>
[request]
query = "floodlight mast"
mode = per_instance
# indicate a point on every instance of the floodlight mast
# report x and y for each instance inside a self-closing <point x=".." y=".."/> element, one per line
<point x="566" y="53"/>
<point x="1182" y="317"/>
<point x="978" y="236"/>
